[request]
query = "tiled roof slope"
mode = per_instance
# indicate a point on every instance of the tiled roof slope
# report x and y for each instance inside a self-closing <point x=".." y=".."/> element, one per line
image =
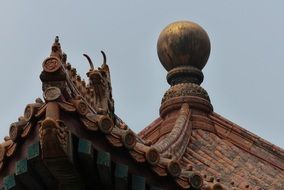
<point x="220" y="151"/>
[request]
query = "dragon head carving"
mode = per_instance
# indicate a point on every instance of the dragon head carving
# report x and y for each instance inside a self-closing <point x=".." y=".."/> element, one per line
<point x="100" y="84"/>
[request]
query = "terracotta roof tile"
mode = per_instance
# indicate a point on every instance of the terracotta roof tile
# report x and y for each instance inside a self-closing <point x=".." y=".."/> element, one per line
<point x="221" y="149"/>
<point x="246" y="168"/>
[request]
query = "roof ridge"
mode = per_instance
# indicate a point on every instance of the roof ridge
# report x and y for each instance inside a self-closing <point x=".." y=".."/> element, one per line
<point x="150" y="127"/>
<point x="247" y="134"/>
<point x="181" y="131"/>
<point x="248" y="141"/>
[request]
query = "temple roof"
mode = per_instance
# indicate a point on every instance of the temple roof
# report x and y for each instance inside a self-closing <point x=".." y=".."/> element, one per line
<point x="218" y="150"/>
<point x="188" y="146"/>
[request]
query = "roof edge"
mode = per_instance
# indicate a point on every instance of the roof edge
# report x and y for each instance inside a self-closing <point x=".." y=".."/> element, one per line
<point x="247" y="140"/>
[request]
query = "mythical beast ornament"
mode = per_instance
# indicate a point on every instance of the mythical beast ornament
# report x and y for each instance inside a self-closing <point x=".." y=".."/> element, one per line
<point x="100" y="84"/>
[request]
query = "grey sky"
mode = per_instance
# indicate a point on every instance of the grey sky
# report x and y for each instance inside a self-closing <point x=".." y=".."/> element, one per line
<point x="244" y="74"/>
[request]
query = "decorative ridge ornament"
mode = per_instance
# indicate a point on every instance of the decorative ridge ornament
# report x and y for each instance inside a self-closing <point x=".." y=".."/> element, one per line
<point x="56" y="49"/>
<point x="100" y="85"/>
<point x="183" y="48"/>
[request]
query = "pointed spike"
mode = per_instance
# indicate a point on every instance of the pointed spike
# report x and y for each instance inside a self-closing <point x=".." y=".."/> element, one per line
<point x="104" y="56"/>
<point x="90" y="61"/>
<point x="56" y="49"/>
<point x="56" y="39"/>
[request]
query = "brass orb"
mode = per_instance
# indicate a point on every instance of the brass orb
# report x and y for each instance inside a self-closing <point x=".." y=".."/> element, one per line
<point x="183" y="43"/>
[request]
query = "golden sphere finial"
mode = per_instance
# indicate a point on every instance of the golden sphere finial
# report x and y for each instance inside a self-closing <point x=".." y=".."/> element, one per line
<point x="183" y="49"/>
<point x="183" y="43"/>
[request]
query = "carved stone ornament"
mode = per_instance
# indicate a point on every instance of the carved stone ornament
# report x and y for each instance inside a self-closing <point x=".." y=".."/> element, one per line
<point x="53" y="137"/>
<point x="100" y="87"/>
<point x="186" y="89"/>
<point x="184" y="74"/>
<point x="52" y="93"/>
<point x="51" y="64"/>
<point x="62" y="134"/>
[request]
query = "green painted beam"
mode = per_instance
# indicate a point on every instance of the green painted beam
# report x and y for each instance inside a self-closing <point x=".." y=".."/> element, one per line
<point x="138" y="183"/>
<point x="121" y="176"/>
<point x="26" y="177"/>
<point x="9" y="182"/>
<point x="33" y="151"/>
<point x="103" y="159"/>
<point x="104" y="169"/>
<point x="85" y="147"/>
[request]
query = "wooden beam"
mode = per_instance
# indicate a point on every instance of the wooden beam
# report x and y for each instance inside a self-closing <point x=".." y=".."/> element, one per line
<point x="58" y="157"/>
<point x="104" y="169"/>
<point x="65" y="173"/>
<point x="121" y="176"/>
<point x="138" y="183"/>
<point x="9" y="182"/>
<point x="87" y="164"/>
<point x="39" y="167"/>
<point x="25" y="175"/>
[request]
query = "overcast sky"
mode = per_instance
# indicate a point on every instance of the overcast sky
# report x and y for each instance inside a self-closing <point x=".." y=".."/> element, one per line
<point x="244" y="74"/>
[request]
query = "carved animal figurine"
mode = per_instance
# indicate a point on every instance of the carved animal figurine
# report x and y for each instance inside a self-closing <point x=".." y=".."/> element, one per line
<point x="100" y="84"/>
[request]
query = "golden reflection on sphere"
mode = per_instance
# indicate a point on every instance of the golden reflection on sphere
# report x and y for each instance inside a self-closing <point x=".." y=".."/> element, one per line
<point x="183" y="43"/>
